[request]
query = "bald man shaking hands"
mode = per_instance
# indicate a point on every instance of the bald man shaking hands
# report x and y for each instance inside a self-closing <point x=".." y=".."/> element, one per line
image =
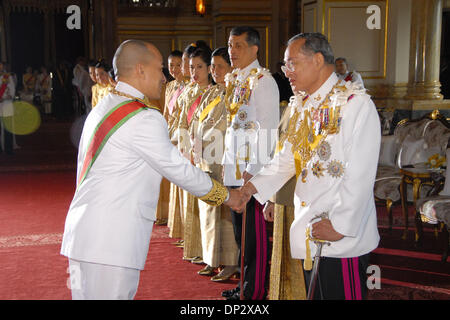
<point x="123" y="154"/>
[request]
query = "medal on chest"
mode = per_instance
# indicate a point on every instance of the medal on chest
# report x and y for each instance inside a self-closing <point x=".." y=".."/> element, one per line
<point x="308" y="129"/>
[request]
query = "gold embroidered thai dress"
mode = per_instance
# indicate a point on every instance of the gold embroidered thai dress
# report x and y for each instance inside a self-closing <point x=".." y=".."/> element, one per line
<point x="208" y="131"/>
<point x="174" y="91"/>
<point x="162" y="210"/>
<point x="188" y="102"/>
<point x="286" y="274"/>
<point x="98" y="92"/>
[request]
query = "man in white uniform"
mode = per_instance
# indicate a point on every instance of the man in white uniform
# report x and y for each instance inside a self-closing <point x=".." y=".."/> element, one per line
<point x="82" y="80"/>
<point x="253" y="115"/>
<point x="110" y="220"/>
<point x="7" y="92"/>
<point x="332" y="147"/>
<point x="342" y="72"/>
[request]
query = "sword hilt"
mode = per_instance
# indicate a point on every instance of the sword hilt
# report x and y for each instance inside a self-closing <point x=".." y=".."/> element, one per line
<point x="307" y="263"/>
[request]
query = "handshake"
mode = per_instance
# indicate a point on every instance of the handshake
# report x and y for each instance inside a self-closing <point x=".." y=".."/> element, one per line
<point x="239" y="197"/>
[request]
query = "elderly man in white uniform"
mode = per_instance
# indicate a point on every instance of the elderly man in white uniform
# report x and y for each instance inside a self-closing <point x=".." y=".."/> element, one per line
<point x="332" y="147"/>
<point x="110" y="220"/>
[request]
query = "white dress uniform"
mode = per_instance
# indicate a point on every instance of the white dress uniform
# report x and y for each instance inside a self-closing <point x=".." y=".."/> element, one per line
<point x="352" y="76"/>
<point x="83" y="81"/>
<point x="339" y="179"/>
<point x="251" y="137"/>
<point x="6" y="106"/>
<point x="111" y="216"/>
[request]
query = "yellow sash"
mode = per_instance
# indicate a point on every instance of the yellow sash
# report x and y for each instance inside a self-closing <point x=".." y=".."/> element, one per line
<point x="209" y="107"/>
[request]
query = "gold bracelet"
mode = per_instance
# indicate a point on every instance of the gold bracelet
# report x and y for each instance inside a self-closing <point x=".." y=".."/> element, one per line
<point x="217" y="195"/>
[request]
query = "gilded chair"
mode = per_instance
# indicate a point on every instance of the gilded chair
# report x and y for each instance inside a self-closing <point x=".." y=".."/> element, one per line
<point x="412" y="143"/>
<point x="435" y="208"/>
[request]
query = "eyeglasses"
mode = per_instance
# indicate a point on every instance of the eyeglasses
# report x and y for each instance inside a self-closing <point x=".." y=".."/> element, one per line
<point x="288" y="67"/>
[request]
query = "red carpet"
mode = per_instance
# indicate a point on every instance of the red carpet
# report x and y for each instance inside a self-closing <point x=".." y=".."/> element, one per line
<point x="37" y="185"/>
<point x="33" y="208"/>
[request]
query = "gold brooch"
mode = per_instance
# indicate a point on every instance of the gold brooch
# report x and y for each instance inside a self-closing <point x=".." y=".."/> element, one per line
<point x="242" y="115"/>
<point x="317" y="169"/>
<point x="324" y="151"/>
<point x="249" y="125"/>
<point x="335" y="169"/>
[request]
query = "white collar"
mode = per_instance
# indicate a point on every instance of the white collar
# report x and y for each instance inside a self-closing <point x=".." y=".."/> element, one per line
<point x="128" y="89"/>
<point x="319" y="95"/>
<point x="246" y="71"/>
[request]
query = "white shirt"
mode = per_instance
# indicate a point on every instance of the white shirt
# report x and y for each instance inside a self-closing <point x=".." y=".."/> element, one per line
<point x="347" y="197"/>
<point x="354" y="77"/>
<point x="112" y="212"/>
<point x="83" y="81"/>
<point x="262" y="110"/>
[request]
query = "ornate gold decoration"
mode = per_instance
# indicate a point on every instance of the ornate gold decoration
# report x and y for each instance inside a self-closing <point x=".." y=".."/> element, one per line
<point x="317" y="169"/>
<point x="324" y="151"/>
<point x="217" y="195"/>
<point x="242" y="115"/>
<point x="144" y="101"/>
<point x="335" y="169"/>
<point x="250" y="125"/>
<point x="305" y="139"/>
<point x="234" y="98"/>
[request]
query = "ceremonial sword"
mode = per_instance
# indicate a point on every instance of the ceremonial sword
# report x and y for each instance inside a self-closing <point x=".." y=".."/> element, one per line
<point x="315" y="269"/>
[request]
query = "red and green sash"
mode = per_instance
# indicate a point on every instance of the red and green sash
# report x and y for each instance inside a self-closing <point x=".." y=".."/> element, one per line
<point x="4" y="85"/>
<point x="112" y="121"/>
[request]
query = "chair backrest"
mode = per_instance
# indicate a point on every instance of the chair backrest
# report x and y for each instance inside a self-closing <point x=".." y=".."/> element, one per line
<point x="446" y="190"/>
<point x="437" y="133"/>
<point x="419" y="139"/>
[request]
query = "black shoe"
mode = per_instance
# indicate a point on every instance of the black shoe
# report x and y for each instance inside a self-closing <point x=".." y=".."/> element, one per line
<point x="236" y="296"/>
<point x="229" y="293"/>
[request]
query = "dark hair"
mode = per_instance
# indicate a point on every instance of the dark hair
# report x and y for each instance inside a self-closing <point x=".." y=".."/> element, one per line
<point x="176" y="53"/>
<point x="222" y="52"/>
<point x="103" y="65"/>
<point x="252" y="38"/>
<point x="341" y="59"/>
<point x="315" y="43"/>
<point x="203" y="53"/>
<point x="92" y="63"/>
<point x="194" y="46"/>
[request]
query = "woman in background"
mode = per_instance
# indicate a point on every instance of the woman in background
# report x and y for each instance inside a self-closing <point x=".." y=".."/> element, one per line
<point x="218" y="243"/>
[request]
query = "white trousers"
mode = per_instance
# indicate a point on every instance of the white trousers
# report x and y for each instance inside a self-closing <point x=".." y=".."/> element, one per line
<point x="92" y="281"/>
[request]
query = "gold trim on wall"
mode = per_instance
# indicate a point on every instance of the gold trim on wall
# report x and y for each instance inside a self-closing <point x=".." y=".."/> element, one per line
<point x="386" y="20"/>
<point x="223" y="18"/>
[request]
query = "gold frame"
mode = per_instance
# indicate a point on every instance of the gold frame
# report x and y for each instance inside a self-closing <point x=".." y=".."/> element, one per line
<point x="386" y="23"/>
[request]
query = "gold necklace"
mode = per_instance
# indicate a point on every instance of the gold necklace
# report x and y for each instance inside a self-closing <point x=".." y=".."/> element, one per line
<point x="233" y="107"/>
<point x="144" y="101"/>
